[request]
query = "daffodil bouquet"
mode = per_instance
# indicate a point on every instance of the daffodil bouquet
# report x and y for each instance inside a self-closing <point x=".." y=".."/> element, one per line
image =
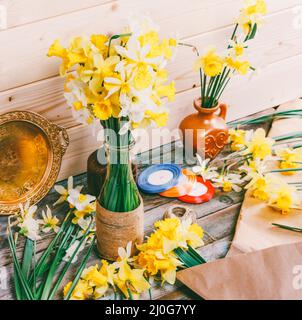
<point x="119" y="81"/>
<point x="216" y="70"/>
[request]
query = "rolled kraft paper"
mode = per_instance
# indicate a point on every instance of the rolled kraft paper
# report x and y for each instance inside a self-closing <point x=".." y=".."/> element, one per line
<point x="116" y="229"/>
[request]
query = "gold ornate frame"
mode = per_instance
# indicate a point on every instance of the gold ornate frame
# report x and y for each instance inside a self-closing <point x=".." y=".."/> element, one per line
<point x="57" y="140"/>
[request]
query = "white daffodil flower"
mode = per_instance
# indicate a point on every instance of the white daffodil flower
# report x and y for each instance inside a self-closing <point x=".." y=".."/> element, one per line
<point x="204" y="169"/>
<point x="124" y="255"/>
<point x="255" y="166"/>
<point x="78" y="200"/>
<point x="139" y="24"/>
<point x="26" y="211"/>
<point x="76" y="93"/>
<point x="65" y="192"/>
<point x="29" y="226"/>
<point x="137" y="54"/>
<point x="122" y="83"/>
<point x="70" y="251"/>
<point x="50" y="222"/>
<point x="229" y="182"/>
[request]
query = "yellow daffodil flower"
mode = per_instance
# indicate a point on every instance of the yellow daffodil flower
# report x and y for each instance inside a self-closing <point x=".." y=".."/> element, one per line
<point x="211" y="63"/>
<point x="159" y="118"/>
<point x="283" y="197"/>
<point x="102" y="109"/>
<point x="81" y="214"/>
<point x="259" y="146"/>
<point x="133" y="280"/>
<point x="237" y="48"/>
<point x="228" y="182"/>
<point x="241" y="66"/>
<point x="237" y="139"/>
<point x="142" y="78"/>
<point x="258" y="186"/>
<point x="166" y="91"/>
<point x="106" y="82"/>
<point x="82" y="290"/>
<point x="100" y="40"/>
<point x="252" y="14"/>
<point x="156" y="262"/>
<point x="289" y="159"/>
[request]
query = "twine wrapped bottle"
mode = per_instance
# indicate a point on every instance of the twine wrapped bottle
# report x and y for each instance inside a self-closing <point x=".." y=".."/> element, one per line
<point x="120" y="211"/>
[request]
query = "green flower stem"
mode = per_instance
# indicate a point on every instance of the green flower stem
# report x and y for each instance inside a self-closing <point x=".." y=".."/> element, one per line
<point x="288" y="136"/>
<point x="197" y="256"/>
<point x="17" y="285"/>
<point x="55" y="262"/>
<point x="287" y="227"/>
<point x="23" y="281"/>
<point x="67" y="265"/>
<point x="116" y="36"/>
<point x="119" y="193"/>
<point x="130" y="293"/>
<point x="40" y="266"/>
<point x="285" y="170"/>
<point x="80" y="270"/>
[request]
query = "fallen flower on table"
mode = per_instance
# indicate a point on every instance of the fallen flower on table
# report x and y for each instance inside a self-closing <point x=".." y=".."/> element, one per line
<point x="229" y="182"/>
<point x="283" y="197"/>
<point x="259" y="146"/>
<point x="289" y="159"/>
<point x="168" y="248"/>
<point x="204" y="169"/>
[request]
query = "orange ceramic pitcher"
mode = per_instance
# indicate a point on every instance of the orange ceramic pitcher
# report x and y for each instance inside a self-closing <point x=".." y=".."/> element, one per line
<point x="209" y="129"/>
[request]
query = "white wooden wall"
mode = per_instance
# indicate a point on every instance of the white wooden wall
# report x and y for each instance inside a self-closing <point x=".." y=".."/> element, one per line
<point x="29" y="80"/>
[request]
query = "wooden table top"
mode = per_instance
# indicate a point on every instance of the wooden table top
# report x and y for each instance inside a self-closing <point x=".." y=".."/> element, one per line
<point x="218" y="219"/>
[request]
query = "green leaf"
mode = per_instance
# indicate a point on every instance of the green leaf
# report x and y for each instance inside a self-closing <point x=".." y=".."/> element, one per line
<point x="253" y="32"/>
<point x="23" y="281"/>
<point x="27" y="257"/>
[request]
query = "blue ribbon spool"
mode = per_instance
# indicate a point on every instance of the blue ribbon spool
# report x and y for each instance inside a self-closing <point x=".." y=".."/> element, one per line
<point x="159" y="178"/>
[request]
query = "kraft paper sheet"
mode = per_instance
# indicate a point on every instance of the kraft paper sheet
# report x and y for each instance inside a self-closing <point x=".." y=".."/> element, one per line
<point x="265" y="274"/>
<point x="272" y="274"/>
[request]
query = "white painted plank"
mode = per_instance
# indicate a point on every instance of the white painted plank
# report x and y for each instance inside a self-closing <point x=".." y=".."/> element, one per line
<point x="277" y="40"/>
<point x="21" y="12"/>
<point x="23" y="57"/>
